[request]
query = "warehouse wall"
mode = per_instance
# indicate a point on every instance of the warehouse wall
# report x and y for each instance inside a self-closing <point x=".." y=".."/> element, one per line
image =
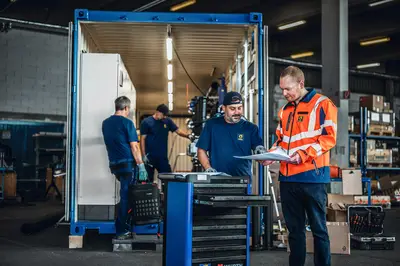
<point x="33" y="73"/>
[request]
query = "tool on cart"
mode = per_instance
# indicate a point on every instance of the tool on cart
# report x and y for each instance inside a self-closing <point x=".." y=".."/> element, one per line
<point x="366" y="227"/>
<point x="207" y="219"/>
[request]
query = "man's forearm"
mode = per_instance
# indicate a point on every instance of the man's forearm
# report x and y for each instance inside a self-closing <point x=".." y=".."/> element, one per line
<point x="203" y="158"/>
<point x="142" y="145"/>
<point x="182" y="134"/>
<point x="136" y="154"/>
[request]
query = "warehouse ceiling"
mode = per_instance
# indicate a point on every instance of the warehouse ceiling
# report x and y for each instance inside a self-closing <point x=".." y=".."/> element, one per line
<point x="364" y="22"/>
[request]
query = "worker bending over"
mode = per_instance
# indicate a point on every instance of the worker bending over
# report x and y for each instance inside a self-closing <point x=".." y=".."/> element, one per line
<point x="227" y="136"/>
<point x="154" y="131"/>
<point x="306" y="131"/>
<point x="123" y="151"/>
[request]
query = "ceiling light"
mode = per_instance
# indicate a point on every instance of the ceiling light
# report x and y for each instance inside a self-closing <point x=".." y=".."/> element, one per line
<point x="170" y="97"/>
<point x="169" y="49"/>
<point x="291" y="25"/>
<point x="377" y="3"/>
<point x="170" y="106"/>
<point x="169" y="71"/>
<point x="170" y="88"/>
<point x="374" y="41"/>
<point x="368" y="65"/>
<point x="305" y="54"/>
<point x="183" y="5"/>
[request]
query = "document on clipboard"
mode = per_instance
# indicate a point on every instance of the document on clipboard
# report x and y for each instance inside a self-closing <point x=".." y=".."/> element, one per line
<point x="274" y="155"/>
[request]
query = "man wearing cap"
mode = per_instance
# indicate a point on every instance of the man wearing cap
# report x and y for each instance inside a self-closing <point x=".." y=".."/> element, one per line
<point x="154" y="132"/>
<point x="227" y="136"/>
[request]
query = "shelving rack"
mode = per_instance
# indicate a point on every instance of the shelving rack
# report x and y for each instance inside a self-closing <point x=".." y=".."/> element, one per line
<point x="363" y="138"/>
<point x="44" y="151"/>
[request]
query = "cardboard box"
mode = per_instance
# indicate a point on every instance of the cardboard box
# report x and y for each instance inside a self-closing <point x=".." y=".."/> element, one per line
<point x="379" y="156"/>
<point x="351" y="182"/>
<point x="337" y="207"/>
<point x="339" y="236"/>
<point x="372" y="102"/>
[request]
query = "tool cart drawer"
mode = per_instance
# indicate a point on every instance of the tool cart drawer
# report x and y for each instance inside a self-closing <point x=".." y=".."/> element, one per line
<point x="231" y="201"/>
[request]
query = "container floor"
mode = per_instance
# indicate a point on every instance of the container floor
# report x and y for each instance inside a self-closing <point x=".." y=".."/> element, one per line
<point x="51" y="245"/>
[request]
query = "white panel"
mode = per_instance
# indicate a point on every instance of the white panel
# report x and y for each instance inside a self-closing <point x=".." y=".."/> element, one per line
<point x="98" y="90"/>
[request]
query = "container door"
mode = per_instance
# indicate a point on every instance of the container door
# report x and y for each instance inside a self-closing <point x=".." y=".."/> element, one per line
<point x="68" y="126"/>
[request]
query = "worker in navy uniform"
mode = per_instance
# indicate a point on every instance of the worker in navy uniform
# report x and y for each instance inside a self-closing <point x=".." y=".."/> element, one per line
<point x="125" y="160"/>
<point x="154" y="131"/>
<point x="229" y="135"/>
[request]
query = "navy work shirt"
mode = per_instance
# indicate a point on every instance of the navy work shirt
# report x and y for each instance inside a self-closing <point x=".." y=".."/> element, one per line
<point x="156" y="132"/>
<point x="223" y="141"/>
<point x="118" y="132"/>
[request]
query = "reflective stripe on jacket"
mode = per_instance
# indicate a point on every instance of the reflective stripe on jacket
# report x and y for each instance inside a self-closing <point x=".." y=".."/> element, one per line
<point x="308" y="128"/>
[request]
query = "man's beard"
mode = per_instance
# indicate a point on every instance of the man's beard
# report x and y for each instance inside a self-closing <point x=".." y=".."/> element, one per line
<point x="234" y="119"/>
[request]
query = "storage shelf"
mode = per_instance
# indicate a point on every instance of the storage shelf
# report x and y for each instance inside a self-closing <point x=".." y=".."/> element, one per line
<point x="383" y="137"/>
<point x="383" y="169"/>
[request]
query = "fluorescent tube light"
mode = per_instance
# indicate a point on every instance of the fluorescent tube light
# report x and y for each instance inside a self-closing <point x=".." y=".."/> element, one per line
<point x="377" y="3"/>
<point x="374" y="41"/>
<point x="169" y="49"/>
<point x="170" y="87"/>
<point x="182" y="5"/>
<point x="170" y="106"/>
<point x="305" y="54"/>
<point x="170" y="97"/>
<point x="368" y="65"/>
<point x="169" y="71"/>
<point x="291" y="25"/>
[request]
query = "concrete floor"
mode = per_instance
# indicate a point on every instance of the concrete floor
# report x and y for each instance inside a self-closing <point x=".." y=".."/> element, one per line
<point x="51" y="246"/>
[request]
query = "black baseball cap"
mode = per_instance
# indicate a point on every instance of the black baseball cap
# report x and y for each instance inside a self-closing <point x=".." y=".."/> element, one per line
<point x="232" y="97"/>
<point x="162" y="108"/>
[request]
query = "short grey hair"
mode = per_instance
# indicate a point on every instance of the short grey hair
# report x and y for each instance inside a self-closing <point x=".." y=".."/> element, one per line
<point x="121" y="103"/>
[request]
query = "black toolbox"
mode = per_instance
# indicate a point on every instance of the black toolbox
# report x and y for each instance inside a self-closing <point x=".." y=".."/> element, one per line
<point x="366" y="228"/>
<point x="145" y="203"/>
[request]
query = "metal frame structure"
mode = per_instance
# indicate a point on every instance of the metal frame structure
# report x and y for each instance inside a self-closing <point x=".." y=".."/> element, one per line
<point x="78" y="227"/>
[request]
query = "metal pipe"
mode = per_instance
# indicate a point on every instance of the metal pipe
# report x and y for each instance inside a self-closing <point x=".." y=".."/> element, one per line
<point x="246" y="72"/>
<point x="149" y="5"/>
<point x="35" y="25"/>
<point x="319" y="66"/>
<point x="68" y="131"/>
<point x="266" y="104"/>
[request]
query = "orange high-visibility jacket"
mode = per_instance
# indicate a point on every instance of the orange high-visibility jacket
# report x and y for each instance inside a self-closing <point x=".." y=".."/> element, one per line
<point x="308" y="128"/>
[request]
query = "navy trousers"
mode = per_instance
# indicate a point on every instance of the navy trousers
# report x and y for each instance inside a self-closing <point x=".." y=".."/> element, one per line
<point x="160" y="163"/>
<point x="299" y="199"/>
<point x="122" y="224"/>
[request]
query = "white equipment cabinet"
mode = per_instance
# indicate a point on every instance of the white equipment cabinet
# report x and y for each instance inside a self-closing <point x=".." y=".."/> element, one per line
<point x="103" y="78"/>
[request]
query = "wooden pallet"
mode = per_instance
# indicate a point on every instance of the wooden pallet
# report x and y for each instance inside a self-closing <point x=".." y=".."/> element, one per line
<point x="380" y="130"/>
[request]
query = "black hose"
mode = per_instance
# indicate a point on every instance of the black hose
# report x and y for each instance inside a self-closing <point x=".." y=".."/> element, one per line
<point x="42" y="224"/>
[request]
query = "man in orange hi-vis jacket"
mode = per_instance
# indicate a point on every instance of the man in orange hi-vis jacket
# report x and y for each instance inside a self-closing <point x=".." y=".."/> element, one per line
<point x="306" y="132"/>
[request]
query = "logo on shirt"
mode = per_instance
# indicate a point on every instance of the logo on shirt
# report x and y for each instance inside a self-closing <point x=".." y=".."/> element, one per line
<point x="165" y="125"/>
<point x="300" y="119"/>
<point x="240" y="137"/>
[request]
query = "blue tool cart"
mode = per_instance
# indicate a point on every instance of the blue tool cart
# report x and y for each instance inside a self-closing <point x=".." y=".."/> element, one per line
<point x="207" y="219"/>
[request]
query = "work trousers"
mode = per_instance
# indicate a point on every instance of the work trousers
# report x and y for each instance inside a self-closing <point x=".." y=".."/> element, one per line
<point x="299" y="199"/>
<point x="160" y="163"/>
<point x="122" y="223"/>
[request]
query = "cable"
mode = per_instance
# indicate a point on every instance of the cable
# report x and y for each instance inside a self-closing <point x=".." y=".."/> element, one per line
<point x="8" y="5"/>
<point x="194" y="83"/>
